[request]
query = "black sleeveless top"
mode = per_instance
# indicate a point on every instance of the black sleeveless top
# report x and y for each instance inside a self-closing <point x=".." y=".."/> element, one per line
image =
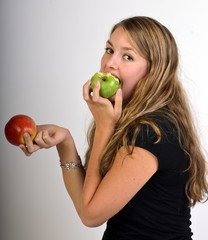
<point x="159" y="211"/>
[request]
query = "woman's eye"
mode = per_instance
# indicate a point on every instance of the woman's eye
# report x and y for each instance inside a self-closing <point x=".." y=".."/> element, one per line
<point x="128" y="58"/>
<point x="109" y="50"/>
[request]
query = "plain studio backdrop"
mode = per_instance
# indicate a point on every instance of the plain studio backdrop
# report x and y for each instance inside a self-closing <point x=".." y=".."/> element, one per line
<point x="48" y="50"/>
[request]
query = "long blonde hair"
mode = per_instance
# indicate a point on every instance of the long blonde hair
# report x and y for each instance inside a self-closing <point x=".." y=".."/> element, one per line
<point x="158" y="93"/>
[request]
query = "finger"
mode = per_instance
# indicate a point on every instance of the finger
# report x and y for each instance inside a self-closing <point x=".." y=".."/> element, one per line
<point x="118" y="102"/>
<point x="48" y="140"/>
<point x="24" y="149"/>
<point x="28" y="143"/>
<point x="39" y="139"/>
<point x="96" y="91"/>
<point x="86" y="91"/>
<point x="44" y="139"/>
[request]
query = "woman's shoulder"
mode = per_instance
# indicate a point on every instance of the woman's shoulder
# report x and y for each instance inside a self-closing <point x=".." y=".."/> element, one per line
<point x="167" y="129"/>
<point x="159" y="130"/>
<point x="166" y="147"/>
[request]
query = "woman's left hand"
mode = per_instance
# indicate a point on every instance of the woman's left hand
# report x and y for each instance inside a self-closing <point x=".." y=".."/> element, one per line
<point x="103" y="111"/>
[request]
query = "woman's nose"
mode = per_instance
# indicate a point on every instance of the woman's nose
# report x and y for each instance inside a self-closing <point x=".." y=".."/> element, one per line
<point x="113" y="62"/>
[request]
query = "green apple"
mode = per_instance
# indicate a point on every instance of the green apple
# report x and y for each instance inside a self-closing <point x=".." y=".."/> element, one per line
<point x="108" y="84"/>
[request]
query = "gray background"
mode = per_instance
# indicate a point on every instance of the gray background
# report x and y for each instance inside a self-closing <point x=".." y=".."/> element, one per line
<point x="48" y="50"/>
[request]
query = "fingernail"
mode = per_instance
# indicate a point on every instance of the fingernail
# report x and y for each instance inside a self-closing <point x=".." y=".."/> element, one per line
<point x="97" y="84"/>
<point x="26" y="135"/>
<point x="119" y="91"/>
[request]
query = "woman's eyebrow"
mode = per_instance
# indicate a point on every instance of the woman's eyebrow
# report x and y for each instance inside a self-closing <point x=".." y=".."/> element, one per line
<point x="109" y="43"/>
<point x="123" y="48"/>
<point x="128" y="49"/>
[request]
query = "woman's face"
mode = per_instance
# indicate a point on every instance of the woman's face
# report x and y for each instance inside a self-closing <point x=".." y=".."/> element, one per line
<point x="123" y="60"/>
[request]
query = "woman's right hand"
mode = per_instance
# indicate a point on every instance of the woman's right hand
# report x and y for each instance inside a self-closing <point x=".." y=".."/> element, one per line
<point x="47" y="137"/>
<point x="105" y="113"/>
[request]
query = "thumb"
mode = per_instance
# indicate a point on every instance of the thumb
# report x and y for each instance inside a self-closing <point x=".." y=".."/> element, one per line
<point x="118" y="102"/>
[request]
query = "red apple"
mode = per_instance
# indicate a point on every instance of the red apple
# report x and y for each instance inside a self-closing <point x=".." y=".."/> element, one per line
<point x="17" y="126"/>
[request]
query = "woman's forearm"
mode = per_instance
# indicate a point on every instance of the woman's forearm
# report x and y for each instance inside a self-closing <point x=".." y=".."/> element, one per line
<point x="93" y="178"/>
<point x="73" y="179"/>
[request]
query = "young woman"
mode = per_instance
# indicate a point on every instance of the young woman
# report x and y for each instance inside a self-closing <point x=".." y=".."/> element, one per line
<point x="144" y="168"/>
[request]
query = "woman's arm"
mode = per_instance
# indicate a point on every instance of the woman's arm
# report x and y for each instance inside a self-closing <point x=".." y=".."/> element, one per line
<point x="103" y="198"/>
<point x="73" y="179"/>
<point x="52" y="135"/>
